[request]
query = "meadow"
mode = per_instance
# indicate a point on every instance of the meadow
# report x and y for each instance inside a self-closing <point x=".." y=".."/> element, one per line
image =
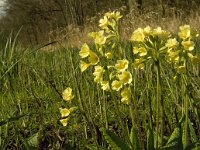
<point x="141" y="92"/>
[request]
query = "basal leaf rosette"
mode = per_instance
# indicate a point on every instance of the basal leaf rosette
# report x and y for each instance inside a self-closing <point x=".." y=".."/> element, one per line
<point x="149" y="45"/>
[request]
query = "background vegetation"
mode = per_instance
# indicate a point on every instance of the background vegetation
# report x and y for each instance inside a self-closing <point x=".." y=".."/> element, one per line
<point x="41" y="21"/>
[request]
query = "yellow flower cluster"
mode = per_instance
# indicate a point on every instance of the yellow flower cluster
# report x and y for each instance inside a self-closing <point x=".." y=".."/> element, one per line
<point x="108" y="76"/>
<point x="180" y="52"/>
<point x="65" y="112"/>
<point x="109" y="21"/>
<point x="157" y="44"/>
<point x="149" y="44"/>
<point x="154" y="45"/>
<point x="108" y="25"/>
<point x="122" y="80"/>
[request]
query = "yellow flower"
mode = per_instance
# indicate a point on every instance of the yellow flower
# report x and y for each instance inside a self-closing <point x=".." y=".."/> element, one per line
<point x="84" y="65"/>
<point x="171" y="43"/>
<point x="125" y="77"/>
<point x="142" y="51"/>
<point x="64" y="121"/>
<point x="188" y="45"/>
<point x="109" y="55"/>
<point x="184" y="32"/>
<point x="85" y="51"/>
<point x="173" y="56"/>
<point x="159" y="32"/>
<point x="126" y="96"/>
<point x="103" y="23"/>
<point x="139" y="63"/>
<point x="138" y="35"/>
<point x="190" y="55"/>
<point x="67" y="94"/>
<point x="147" y="30"/>
<point x="64" y="112"/>
<point x="114" y="15"/>
<point x="136" y="50"/>
<point x="105" y="85"/>
<point x="98" y="73"/>
<point x="93" y="58"/>
<point x="98" y="37"/>
<point x="116" y="85"/>
<point x="121" y="65"/>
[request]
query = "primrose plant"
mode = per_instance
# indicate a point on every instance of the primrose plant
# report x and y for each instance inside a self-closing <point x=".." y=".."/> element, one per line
<point x="156" y="47"/>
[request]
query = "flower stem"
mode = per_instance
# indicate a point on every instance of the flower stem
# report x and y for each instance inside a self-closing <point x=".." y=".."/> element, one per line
<point x="160" y="105"/>
<point x="185" y="108"/>
<point x="105" y="110"/>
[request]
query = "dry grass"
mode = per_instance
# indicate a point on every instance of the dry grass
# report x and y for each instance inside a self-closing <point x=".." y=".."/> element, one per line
<point x="76" y="36"/>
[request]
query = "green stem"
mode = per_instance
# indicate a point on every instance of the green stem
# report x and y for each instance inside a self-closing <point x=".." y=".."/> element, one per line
<point x="185" y="107"/>
<point x="133" y="106"/>
<point x="149" y="79"/>
<point x="105" y="110"/>
<point x="160" y="105"/>
<point x="81" y="105"/>
<point x="116" y="106"/>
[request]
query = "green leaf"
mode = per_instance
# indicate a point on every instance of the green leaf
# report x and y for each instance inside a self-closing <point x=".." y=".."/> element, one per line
<point x="193" y="146"/>
<point x="175" y="141"/>
<point x="33" y="140"/>
<point x="114" y="141"/>
<point x="193" y="136"/>
<point x="150" y="139"/>
<point x="134" y="139"/>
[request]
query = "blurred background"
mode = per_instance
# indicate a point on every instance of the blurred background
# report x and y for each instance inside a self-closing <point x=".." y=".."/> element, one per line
<point x="42" y="21"/>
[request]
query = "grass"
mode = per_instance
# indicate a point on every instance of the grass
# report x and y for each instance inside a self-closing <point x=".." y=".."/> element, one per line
<point x="31" y="85"/>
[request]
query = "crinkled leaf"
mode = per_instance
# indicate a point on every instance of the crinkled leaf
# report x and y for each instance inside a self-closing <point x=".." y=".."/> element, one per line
<point x="33" y="140"/>
<point x="193" y="135"/>
<point x="175" y="141"/>
<point x="114" y="141"/>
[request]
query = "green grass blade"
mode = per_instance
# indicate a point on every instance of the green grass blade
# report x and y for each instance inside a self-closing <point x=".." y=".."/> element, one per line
<point x="134" y="139"/>
<point x="12" y="119"/>
<point x="150" y="139"/>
